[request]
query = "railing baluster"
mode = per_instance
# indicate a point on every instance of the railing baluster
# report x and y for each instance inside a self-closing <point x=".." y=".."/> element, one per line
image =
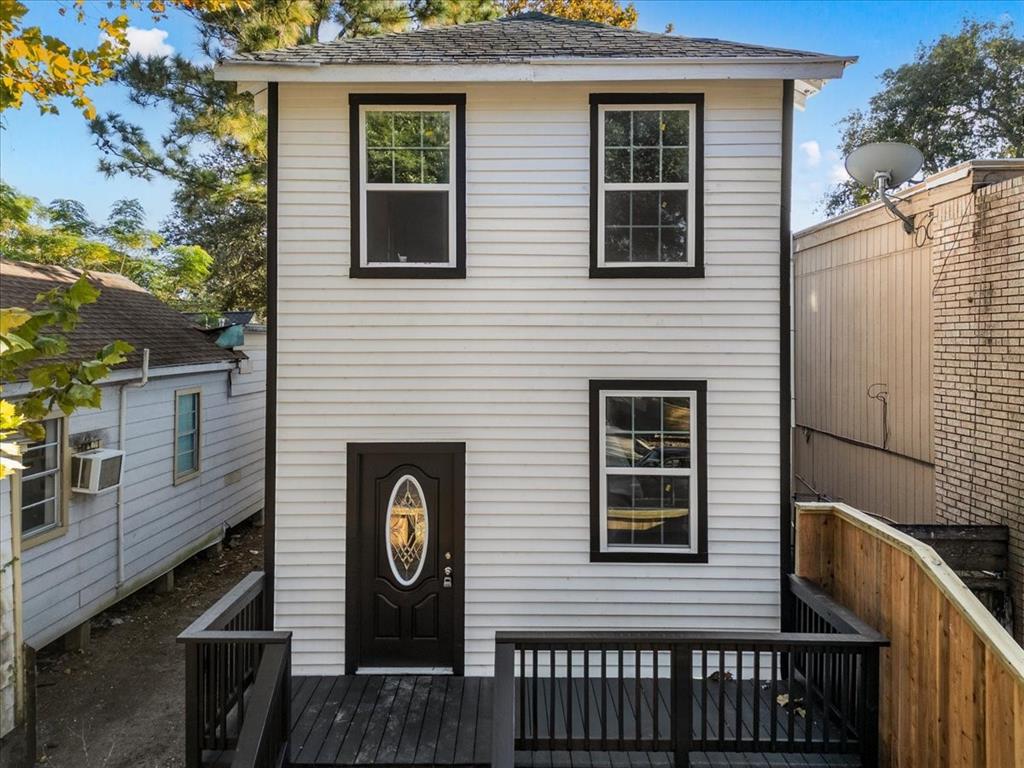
<point x="655" y="696"/>
<point x="721" y="698"/>
<point x="622" y="711"/>
<point x="586" y="694"/>
<point x="774" y="697"/>
<point x="739" y="698"/>
<point x="756" y="699"/>
<point x="522" y="694"/>
<point x="604" y="697"/>
<point x="826" y="698"/>
<point x="704" y="696"/>
<point x="568" y="695"/>
<point x="809" y="661"/>
<point x="552" y="699"/>
<point x="681" y="720"/>
<point x="638" y="702"/>
<point x="791" y="708"/>
<point x="536" y="696"/>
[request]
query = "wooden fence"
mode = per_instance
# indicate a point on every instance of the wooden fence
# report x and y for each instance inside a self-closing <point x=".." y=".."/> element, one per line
<point x="952" y="682"/>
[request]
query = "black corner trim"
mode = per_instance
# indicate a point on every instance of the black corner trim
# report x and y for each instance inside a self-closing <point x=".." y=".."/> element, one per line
<point x="701" y="388"/>
<point x="786" y="542"/>
<point x="270" y="426"/>
<point x="357" y="100"/>
<point x="697" y="270"/>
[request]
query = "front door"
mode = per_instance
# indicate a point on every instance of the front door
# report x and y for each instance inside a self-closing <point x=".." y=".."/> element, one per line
<point x="404" y="591"/>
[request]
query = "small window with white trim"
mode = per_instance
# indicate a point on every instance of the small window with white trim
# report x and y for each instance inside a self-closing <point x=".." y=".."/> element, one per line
<point x="408" y="158"/>
<point x="647" y="179"/>
<point x="187" y="434"/>
<point x="648" y="470"/>
<point x="42" y="481"/>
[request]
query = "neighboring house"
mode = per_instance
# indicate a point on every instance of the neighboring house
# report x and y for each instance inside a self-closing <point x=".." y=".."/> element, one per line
<point x="190" y="426"/>
<point x="909" y="381"/>
<point x="530" y="319"/>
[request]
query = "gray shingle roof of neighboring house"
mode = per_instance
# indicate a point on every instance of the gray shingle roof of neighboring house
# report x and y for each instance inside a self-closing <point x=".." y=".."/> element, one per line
<point x="520" y="39"/>
<point x="123" y="311"/>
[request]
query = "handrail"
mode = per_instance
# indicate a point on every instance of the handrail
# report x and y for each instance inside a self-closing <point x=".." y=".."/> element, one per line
<point x="839" y="616"/>
<point x="228" y="607"/>
<point x="711" y="638"/>
<point x="263" y="738"/>
<point x="991" y="632"/>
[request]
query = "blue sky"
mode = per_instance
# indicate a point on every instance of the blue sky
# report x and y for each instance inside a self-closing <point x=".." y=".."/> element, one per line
<point x="50" y="157"/>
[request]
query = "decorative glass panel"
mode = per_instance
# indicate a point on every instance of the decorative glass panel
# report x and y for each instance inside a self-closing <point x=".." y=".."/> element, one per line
<point x="407" y="530"/>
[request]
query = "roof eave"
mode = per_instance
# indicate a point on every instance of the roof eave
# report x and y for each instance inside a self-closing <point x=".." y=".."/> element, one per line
<point x="808" y="70"/>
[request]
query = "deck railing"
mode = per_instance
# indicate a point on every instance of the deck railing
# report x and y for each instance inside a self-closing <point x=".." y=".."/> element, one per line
<point x="809" y="691"/>
<point x="237" y="682"/>
<point x="952" y="681"/>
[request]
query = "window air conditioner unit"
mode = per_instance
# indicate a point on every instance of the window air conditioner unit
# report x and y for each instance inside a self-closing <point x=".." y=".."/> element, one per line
<point x="97" y="470"/>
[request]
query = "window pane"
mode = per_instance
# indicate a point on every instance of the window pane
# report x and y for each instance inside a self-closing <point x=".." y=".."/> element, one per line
<point x="676" y="127"/>
<point x="38" y="489"/>
<point x="186" y="413"/>
<point x="378" y="166"/>
<point x="40" y="516"/>
<point x="646" y="165"/>
<point x="675" y="168"/>
<point x="619" y="450"/>
<point x="184" y="463"/>
<point x="675" y="452"/>
<point x="647" y="450"/>
<point x="616" y="165"/>
<point x="645" y="244"/>
<point x="616" y="208"/>
<point x="186" y="444"/>
<point x="435" y="166"/>
<point x="407" y="227"/>
<point x="677" y="414"/>
<point x="616" y="244"/>
<point x="648" y="510"/>
<point x="408" y="166"/>
<point x="617" y="129"/>
<point x="618" y="414"/>
<point x="673" y="208"/>
<point x="435" y="129"/>
<point x="39" y="459"/>
<point x="646" y="128"/>
<point x="647" y="413"/>
<point x="380" y="129"/>
<point x="408" y="129"/>
<point x="645" y="208"/>
<point x="673" y="244"/>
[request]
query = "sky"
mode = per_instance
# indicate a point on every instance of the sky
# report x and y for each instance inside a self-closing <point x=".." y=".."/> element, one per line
<point x="49" y="157"/>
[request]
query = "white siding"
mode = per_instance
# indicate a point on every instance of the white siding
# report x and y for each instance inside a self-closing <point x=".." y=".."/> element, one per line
<point x="502" y="361"/>
<point x="73" y="577"/>
<point x="8" y="613"/>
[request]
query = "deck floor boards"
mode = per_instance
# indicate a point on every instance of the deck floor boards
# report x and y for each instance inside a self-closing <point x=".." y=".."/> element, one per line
<point x="445" y="721"/>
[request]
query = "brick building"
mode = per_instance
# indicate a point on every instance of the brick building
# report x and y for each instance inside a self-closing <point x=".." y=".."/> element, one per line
<point x="908" y="356"/>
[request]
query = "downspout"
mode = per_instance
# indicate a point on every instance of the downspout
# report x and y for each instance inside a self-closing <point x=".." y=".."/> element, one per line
<point x="122" y="444"/>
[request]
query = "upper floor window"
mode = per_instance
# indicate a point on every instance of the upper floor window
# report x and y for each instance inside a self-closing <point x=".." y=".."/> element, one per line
<point x="649" y="474"/>
<point x="408" y="185"/>
<point x="646" y="185"/>
<point x="187" y="404"/>
<point x="42" y="482"/>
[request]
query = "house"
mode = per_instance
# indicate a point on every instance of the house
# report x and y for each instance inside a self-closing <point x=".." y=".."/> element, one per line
<point x="181" y="433"/>
<point x="908" y="380"/>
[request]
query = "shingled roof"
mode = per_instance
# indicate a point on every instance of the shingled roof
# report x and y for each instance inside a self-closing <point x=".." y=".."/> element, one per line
<point x="123" y="311"/>
<point x="520" y="39"/>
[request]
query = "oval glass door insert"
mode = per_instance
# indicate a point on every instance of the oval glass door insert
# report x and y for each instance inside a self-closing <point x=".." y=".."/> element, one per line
<point x="407" y="530"/>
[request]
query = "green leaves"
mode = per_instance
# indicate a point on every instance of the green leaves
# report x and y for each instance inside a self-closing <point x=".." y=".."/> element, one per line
<point x="29" y="342"/>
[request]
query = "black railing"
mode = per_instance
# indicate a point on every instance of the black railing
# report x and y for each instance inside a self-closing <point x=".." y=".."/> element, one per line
<point x="229" y="651"/>
<point x="692" y="691"/>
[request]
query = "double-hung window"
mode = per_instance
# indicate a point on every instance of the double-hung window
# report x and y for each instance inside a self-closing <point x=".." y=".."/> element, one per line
<point x="408" y="191"/>
<point x="42" y="482"/>
<point x="648" y="471"/>
<point x="187" y="436"/>
<point x="646" y="185"/>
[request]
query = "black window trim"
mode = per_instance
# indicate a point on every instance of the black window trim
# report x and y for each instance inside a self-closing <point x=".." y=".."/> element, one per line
<point x="597" y="386"/>
<point x="696" y="270"/>
<point x="357" y="100"/>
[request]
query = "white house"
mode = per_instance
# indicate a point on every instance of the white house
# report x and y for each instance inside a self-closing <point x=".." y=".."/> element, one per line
<point x="529" y="335"/>
<point x="181" y="430"/>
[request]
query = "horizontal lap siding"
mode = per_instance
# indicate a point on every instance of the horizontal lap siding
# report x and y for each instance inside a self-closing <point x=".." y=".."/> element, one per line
<point x="502" y="361"/>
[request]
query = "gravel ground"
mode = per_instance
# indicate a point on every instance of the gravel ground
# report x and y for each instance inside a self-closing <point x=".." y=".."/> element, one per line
<point x="120" y="703"/>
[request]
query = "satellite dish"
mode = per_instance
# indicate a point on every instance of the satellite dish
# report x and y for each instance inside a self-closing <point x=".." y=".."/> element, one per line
<point x="884" y="165"/>
<point x="897" y="162"/>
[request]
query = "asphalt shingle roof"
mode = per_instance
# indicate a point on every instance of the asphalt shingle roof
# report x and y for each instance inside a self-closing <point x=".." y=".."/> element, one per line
<point x="123" y="311"/>
<point x="520" y="39"/>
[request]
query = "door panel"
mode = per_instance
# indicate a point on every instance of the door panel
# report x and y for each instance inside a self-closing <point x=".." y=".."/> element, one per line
<point x="405" y="532"/>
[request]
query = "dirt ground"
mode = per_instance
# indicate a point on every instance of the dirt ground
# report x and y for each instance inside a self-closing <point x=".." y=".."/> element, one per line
<point x="120" y="703"/>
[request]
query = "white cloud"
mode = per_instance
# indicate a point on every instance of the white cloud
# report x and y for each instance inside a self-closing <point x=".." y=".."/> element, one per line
<point x="837" y="174"/>
<point x="812" y="152"/>
<point x="146" y="42"/>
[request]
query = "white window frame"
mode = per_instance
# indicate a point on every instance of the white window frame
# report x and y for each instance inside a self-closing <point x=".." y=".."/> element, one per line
<point x="59" y="497"/>
<point x="691" y="472"/>
<point x="450" y="187"/>
<point x="688" y="186"/>
<point x="181" y="477"/>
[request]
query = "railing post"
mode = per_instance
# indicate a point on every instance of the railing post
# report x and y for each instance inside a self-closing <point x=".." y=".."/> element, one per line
<point x="193" y="748"/>
<point x="682" y="703"/>
<point x="503" y="749"/>
<point x="869" y="735"/>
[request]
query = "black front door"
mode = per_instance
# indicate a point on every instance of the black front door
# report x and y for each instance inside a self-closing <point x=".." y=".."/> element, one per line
<point x="404" y="591"/>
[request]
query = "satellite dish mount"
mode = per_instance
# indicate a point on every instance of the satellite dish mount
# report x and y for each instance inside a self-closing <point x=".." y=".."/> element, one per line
<point x="884" y="166"/>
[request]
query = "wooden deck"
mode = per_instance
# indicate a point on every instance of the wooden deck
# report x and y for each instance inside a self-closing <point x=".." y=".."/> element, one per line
<point x="393" y="720"/>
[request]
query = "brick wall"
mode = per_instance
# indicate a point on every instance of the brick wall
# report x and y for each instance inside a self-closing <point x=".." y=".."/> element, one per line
<point x="978" y="365"/>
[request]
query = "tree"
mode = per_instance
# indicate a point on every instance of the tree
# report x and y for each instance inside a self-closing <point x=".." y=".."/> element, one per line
<point x="961" y="98"/>
<point x="604" y="11"/>
<point x="62" y="233"/>
<point x="31" y="345"/>
<point x="44" y="67"/>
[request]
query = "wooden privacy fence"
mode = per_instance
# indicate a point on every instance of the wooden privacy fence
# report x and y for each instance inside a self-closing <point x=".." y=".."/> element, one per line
<point x="952" y="682"/>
